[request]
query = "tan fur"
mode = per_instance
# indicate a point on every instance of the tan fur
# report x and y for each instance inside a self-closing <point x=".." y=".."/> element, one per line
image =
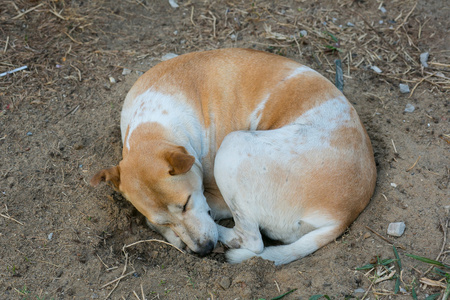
<point x="224" y="88"/>
<point x="255" y="77"/>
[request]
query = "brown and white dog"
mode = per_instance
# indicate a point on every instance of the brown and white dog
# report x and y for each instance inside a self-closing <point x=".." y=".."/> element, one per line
<point x="244" y="134"/>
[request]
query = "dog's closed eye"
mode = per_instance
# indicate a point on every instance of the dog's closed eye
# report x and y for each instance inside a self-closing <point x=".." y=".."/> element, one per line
<point x="186" y="204"/>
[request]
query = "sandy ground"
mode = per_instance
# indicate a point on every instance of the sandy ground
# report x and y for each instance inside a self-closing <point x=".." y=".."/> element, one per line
<point x="59" y="124"/>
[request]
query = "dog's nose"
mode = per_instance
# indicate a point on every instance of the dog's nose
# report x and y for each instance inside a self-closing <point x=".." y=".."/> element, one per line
<point x="206" y="248"/>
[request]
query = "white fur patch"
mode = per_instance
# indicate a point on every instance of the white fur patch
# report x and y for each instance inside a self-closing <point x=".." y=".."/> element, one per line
<point x="256" y="115"/>
<point x="300" y="70"/>
<point x="284" y="254"/>
<point x="311" y="131"/>
<point x="171" y="112"/>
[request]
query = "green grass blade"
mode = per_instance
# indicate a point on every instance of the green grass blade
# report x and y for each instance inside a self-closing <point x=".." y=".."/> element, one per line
<point x="397" y="285"/>
<point x="281" y="296"/>
<point x="428" y="261"/>
<point x="332" y="36"/>
<point x="432" y="297"/>
<point x="413" y="293"/>
<point x="387" y="261"/>
<point x="366" y="267"/>
<point x="440" y="272"/>
<point x="399" y="262"/>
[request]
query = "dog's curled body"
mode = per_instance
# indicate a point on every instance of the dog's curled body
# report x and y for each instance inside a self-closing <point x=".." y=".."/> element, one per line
<point x="246" y="134"/>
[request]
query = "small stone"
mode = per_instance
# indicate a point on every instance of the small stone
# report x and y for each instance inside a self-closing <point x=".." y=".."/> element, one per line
<point x="94" y="296"/>
<point x="168" y="56"/>
<point x="126" y="71"/>
<point x="350" y="24"/>
<point x="359" y="290"/>
<point x="447" y="208"/>
<point x="393" y="184"/>
<point x="173" y="3"/>
<point x="424" y="58"/>
<point x="303" y="33"/>
<point x="140" y="73"/>
<point x="383" y="10"/>
<point x="224" y="282"/>
<point x="367" y="235"/>
<point x="396" y="229"/>
<point x="376" y="69"/>
<point x="404" y="88"/>
<point x="29" y="133"/>
<point x="50" y="235"/>
<point x="112" y="80"/>
<point x="409" y="108"/>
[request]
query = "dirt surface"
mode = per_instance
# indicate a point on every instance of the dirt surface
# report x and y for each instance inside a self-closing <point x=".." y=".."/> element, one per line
<point x="59" y="124"/>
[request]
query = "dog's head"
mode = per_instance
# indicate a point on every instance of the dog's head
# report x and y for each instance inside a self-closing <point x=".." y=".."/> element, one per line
<point x="161" y="180"/>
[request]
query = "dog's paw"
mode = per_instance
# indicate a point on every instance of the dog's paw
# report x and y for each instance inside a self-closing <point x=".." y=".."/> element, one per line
<point x="236" y="256"/>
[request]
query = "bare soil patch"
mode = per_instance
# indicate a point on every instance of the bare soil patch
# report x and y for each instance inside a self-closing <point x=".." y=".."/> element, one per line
<point x="59" y="124"/>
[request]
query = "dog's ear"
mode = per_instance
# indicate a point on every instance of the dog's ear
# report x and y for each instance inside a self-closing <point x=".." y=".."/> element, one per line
<point x="109" y="175"/>
<point x="179" y="160"/>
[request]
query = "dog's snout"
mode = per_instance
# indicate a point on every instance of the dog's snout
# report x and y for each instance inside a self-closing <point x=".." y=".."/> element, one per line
<point x="206" y="248"/>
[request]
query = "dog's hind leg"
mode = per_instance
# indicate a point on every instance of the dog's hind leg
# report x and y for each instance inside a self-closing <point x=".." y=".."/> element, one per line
<point x="284" y="254"/>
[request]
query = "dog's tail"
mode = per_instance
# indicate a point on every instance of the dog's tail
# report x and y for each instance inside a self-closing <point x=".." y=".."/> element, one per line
<point x="284" y="254"/>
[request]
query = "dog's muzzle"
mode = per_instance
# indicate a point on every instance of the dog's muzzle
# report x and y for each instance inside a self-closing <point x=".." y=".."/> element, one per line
<point x="206" y="248"/>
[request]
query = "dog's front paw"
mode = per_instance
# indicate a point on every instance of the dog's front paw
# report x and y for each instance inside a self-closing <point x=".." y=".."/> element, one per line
<point x="236" y="256"/>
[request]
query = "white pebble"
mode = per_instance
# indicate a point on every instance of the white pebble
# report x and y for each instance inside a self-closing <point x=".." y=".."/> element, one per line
<point x="383" y="10"/>
<point x="112" y="80"/>
<point x="409" y="108"/>
<point x="424" y="59"/>
<point x="126" y="71"/>
<point x="168" y="56"/>
<point x="173" y="3"/>
<point x="396" y="229"/>
<point x="303" y="33"/>
<point x="404" y="88"/>
<point x="50" y="235"/>
<point x="376" y="69"/>
<point x="393" y="184"/>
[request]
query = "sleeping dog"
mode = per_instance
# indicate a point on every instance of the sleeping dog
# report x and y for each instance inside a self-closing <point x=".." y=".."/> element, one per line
<point x="243" y="134"/>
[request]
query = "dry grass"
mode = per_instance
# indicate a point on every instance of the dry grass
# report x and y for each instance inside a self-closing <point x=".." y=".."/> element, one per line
<point x="66" y="45"/>
<point x="61" y="42"/>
